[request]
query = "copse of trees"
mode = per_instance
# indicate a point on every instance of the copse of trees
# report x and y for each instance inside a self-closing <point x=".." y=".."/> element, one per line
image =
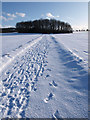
<point x="44" y="26"/>
<point x="7" y="30"/>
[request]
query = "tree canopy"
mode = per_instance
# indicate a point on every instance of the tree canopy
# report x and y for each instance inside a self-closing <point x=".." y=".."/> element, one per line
<point x="44" y="26"/>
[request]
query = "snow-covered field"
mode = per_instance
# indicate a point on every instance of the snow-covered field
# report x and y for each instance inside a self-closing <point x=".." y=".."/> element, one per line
<point x="44" y="76"/>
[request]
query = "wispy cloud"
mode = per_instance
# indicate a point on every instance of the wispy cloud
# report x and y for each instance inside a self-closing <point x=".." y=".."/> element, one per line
<point x="7" y="16"/>
<point x="3" y="18"/>
<point x="20" y="14"/>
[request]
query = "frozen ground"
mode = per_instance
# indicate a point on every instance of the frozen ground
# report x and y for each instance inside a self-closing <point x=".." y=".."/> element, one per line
<point x="44" y="76"/>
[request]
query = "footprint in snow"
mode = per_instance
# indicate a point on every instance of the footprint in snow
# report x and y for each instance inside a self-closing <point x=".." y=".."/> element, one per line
<point x="50" y="96"/>
<point x="53" y="84"/>
<point x="56" y="115"/>
<point x="85" y="52"/>
<point x="47" y="76"/>
<point x="48" y="69"/>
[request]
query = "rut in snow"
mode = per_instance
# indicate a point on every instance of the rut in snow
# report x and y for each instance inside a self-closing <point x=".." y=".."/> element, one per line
<point x="73" y="63"/>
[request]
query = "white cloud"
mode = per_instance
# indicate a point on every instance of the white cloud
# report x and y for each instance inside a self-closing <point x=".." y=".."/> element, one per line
<point x="7" y="16"/>
<point x="20" y="14"/>
<point x="50" y="16"/>
<point x="11" y="15"/>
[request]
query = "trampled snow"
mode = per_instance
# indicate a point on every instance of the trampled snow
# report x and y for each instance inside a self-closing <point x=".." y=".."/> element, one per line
<point x="44" y="76"/>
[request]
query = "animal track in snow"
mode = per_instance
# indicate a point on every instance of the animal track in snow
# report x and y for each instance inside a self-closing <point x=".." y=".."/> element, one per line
<point x="50" y="96"/>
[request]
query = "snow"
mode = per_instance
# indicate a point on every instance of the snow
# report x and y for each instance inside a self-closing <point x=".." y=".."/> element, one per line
<point x="13" y="41"/>
<point x="77" y="43"/>
<point x="44" y="76"/>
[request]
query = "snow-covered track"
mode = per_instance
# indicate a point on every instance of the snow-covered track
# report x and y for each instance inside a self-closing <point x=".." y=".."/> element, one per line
<point x="44" y="80"/>
<point x="20" y="79"/>
<point x="12" y="58"/>
<point x="72" y="62"/>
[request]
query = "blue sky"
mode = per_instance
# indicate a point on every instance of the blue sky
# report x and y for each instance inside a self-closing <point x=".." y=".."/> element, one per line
<point x="75" y="13"/>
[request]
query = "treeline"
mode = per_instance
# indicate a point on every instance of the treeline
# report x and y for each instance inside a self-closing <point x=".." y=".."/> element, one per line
<point x="43" y="26"/>
<point x="7" y="30"/>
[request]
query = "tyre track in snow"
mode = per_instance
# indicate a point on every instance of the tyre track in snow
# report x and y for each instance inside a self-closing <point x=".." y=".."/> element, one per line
<point x="73" y="65"/>
<point x="21" y="76"/>
<point x="70" y="61"/>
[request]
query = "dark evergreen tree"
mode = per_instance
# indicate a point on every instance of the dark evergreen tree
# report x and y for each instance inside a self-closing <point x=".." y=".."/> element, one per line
<point x="44" y="26"/>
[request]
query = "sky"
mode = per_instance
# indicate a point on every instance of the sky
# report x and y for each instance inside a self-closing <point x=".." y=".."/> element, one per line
<point x="75" y="13"/>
